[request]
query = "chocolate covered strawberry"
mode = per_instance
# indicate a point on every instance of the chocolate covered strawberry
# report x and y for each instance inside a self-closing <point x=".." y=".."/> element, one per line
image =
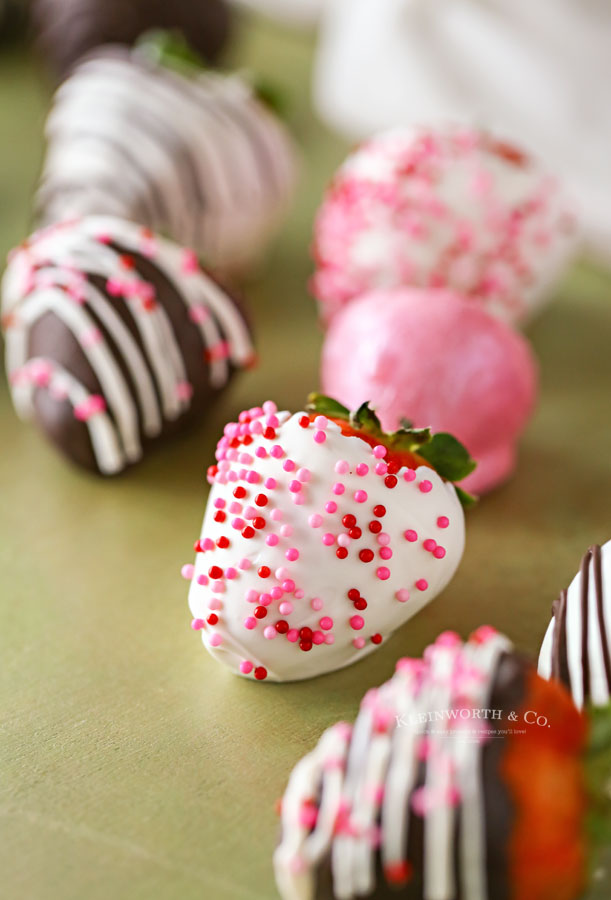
<point x="322" y="535"/>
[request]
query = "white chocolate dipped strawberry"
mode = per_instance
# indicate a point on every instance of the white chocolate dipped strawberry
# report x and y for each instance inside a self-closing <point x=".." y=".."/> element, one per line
<point x="322" y="535"/>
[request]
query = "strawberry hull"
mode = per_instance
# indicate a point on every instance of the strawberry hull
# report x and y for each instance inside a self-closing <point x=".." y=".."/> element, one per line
<point x="313" y="549"/>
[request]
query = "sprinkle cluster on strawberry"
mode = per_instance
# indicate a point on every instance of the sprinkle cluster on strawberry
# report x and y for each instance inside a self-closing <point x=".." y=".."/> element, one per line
<point x="322" y="535"/>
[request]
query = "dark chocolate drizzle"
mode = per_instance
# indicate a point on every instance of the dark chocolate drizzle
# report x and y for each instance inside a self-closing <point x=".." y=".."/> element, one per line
<point x="560" y="667"/>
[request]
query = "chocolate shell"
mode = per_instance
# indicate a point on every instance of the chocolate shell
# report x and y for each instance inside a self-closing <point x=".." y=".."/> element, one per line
<point x="115" y="338"/>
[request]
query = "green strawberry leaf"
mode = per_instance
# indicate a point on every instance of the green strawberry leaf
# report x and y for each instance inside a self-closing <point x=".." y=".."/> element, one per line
<point x="467" y="500"/>
<point x="598" y="776"/>
<point x="450" y="458"/>
<point x="271" y="94"/>
<point x="326" y="406"/>
<point x="442" y="451"/>
<point x="600" y="729"/>
<point x="170" y="49"/>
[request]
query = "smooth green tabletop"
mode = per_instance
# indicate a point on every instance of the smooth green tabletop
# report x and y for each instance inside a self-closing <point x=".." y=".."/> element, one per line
<point x="133" y="766"/>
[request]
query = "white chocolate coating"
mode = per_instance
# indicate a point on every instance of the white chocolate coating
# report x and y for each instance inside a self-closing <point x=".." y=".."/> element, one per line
<point x="581" y="607"/>
<point x="355" y="778"/>
<point x="529" y="70"/>
<point x="49" y="273"/>
<point x="448" y="208"/>
<point x="304" y="571"/>
<point x="197" y="157"/>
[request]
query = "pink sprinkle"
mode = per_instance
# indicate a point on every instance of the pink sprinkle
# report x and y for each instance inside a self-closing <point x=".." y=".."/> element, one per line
<point x="219" y="503"/>
<point x="271" y="540"/>
<point x="383" y="573"/>
<point x="234" y="507"/>
<point x="341" y="467"/>
<point x="316" y="603"/>
<point x="321" y="422"/>
<point x="360" y="496"/>
<point x="328" y="539"/>
<point x="379" y="451"/>
<point x="286" y="530"/>
<point x="252" y="596"/>
<point x="246" y="667"/>
<point x="422" y="584"/>
<point x="261" y="452"/>
<point x="410" y="535"/>
<point x="250" y="512"/>
<point x="357" y="622"/>
<point x="215" y="639"/>
<point x="265" y="599"/>
<point x="443" y="522"/>
<point x="253" y="477"/>
<point x="276" y="515"/>
<point x="331" y="506"/>
<point x="294" y="487"/>
<point x="304" y="475"/>
<point x="449" y="639"/>
<point x="270" y="483"/>
<point x="299" y="499"/>
<point x="299" y="594"/>
<point x="484" y="633"/>
<point x="381" y="468"/>
<point x="338" y="488"/>
<point x="269" y="407"/>
<point x="383" y="539"/>
<point x="292" y="554"/>
<point x="329" y="639"/>
<point x="202" y="579"/>
<point x="410" y="475"/>
<point x="187" y="571"/>
<point x="385" y="553"/>
<point x="281" y="573"/>
<point x="326" y="623"/>
<point x="318" y="637"/>
<point x="292" y="635"/>
<point x="188" y="261"/>
<point x="343" y="540"/>
<point x="402" y="595"/>
<point x="231" y="573"/>
<point x="425" y="486"/>
<point x="90" y="337"/>
<point x="272" y="421"/>
<point x="197" y="624"/>
<point x="246" y="459"/>
<point x="359" y="643"/>
<point x="315" y="521"/>
<point x="439" y="552"/>
<point x="362" y="469"/>
<point x="215" y="603"/>
<point x="288" y="465"/>
<point x="250" y="622"/>
<point x="320" y="437"/>
<point x="238" y="524"/>
<point x="288" y="585"/>
<point x="285" y="608"/>
<point x="244" y="564"/>
<point x="218" y="587"/>
<point x="269" y="632"/>
<point x="276" y="592"/>
<point x="276" y="451"/>
<point x="429" y="544"/>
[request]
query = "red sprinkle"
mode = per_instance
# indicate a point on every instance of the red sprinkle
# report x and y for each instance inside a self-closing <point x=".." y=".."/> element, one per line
<point x="223" y="542"/>
<point x="264" y="571"/>
<point x="361" y="603"/>
<point x="281" y="626"/>
<point x="197" y="546"/>
<point x="215" y="572"/>
<point x="376" y="638"/>
<point x="353" y="594"/>
<point x="248" y="532"/>
<point x="379" y="511"/>
<point x="212" y="471"/>
<point x="366" y="555"/>
<point x="393" y="467"/>
<point x="305" y="633"/>
<point x="260" y="612"/>
<point x="375" y="527"/>
<point x="239" y="492"/>
<point x="305" y="645"/>
<point x="304" y="421"/>
<point x="269" y="433"/>
<point x="212" y="619"/>
<point x="341" y="553"/>
<point x="355" y="533"/>
<point x="258" y="522"/>
<point x="390" y="481"/>
<point x="260" y="673"/>
<point x="349" y="521"/>
<point x="220" y="516"/>
<point x="261" y="500"/>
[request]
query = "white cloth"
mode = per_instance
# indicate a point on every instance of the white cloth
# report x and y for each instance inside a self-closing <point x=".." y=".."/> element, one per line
<point x="535" y="71"/>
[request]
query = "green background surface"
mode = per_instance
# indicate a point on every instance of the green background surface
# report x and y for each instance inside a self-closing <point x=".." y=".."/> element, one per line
<point x="133" y="765"/>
